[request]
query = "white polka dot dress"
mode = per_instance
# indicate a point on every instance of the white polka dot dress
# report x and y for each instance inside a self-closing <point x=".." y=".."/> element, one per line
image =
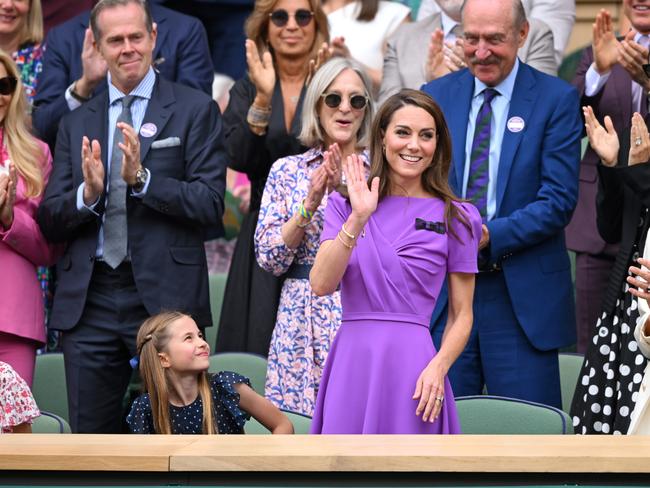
<point x="611" y="374"/>
<point x="188" y="419"/>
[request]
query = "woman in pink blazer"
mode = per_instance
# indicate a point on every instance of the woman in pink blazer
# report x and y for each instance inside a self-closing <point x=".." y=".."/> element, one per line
<point x="25" y="165"/>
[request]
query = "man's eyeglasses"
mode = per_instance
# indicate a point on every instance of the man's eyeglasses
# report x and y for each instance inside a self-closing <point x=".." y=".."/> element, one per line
<point x="8" y="85"/>
<point x="280" y="17"/>
<point x="333" y="100"/>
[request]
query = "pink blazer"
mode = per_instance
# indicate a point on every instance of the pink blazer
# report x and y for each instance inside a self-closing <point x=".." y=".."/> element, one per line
<point x="22" y="249"/>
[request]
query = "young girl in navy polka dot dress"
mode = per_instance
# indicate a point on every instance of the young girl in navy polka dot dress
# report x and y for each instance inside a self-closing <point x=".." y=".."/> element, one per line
<point x="181" y="397"/>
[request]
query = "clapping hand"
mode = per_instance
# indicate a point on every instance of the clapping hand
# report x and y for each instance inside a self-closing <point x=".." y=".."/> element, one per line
<point x="339" y="48"/>
<point x="317" y="188"/>
<point x="632" y="57"/>
<point x="332" y="160"/>
<point x="94" y="67"/>
<point x="8" y="184"/>
<point x="454" y="55"/>
<point x="260" y="71"/>
<point x="362" y="199"/>
<point x="605" y="45"/>
<point x="324" y="54"/>
<point x="603" y="140"/>
<point x="92" y="169"/>
<point x="639" y="141"/>
<point x="131" y="153"/>
<point x="436" y="66"/>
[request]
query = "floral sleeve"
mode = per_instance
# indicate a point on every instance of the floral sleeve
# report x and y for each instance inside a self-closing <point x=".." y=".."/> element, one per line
<point x="270" y="250"/>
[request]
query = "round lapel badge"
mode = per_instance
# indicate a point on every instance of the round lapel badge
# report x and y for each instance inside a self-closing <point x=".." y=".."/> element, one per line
<point x="148" y="130"/>
<point x="516" y="124"/>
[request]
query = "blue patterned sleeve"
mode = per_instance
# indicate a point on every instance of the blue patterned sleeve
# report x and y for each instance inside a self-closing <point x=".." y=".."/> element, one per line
<point x="230" y="417"/>
<point x="463" y="251"/>
<point x="140" y="418"/>
<point x="271" y="252"/>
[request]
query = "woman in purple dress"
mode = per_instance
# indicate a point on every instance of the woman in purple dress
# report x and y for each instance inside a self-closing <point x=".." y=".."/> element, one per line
<point x="390" y="243"/>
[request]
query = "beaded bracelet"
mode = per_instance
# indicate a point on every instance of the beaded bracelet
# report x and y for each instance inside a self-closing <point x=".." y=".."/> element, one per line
<point x="258" y="117"/>
<point x="307" y="214"/>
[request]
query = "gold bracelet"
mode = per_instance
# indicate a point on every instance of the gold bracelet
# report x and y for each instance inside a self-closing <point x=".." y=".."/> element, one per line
<point x="349" y="246"/>
<point x="352" y="236"/>
<point x="345" y="231"/>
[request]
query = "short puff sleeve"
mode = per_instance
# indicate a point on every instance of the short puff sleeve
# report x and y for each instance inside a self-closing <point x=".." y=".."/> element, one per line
<point x="463" y="246"/>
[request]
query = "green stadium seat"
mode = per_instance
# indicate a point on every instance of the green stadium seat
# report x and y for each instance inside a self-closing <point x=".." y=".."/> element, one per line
<point x="217" y="288"/>
<point x="247" y="364"/>
<point x="49" y="388"/>
<point x="49" y="423"/>
<point x="570" y="366"/>
<point x="301" y="424"/>
<point x="486" y="414"/>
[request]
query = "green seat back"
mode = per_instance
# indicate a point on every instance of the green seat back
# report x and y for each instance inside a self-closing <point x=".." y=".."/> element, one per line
<point x="500" y="415"/>
<point x="301" y="424"/>
<point x="570" y="366"/>
<point x="49" y="423"/>
<point x="250" y="365"/>
<point x="49" y="388"/>
<point x="217" y="287"/>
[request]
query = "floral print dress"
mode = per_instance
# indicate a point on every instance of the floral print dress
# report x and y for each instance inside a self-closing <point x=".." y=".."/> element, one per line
<point x="17" y="404"/>
<point x="305" y="324"/>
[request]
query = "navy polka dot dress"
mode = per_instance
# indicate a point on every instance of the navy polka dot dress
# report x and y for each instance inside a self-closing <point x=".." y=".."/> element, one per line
<point x="188" y="419"/>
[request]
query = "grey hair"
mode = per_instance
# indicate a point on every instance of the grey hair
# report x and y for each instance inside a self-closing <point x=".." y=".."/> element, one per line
<point x="311" y="134"/>
<point x="106" y="4"/>
<point x="518" y="14"/>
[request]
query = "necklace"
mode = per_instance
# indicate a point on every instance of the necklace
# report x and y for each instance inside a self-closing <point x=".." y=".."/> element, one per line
<point x="294" y="99"/>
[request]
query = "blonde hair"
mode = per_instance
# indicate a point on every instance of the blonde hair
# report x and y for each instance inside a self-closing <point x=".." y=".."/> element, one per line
<point x="33" y="29"/>
<point x="311" y="133"/>
<point x="153" y="336"/>
<point x="257" y="25"/>
<point x="23" y="148"/>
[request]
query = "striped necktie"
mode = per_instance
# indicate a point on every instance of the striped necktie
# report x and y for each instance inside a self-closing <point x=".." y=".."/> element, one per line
<point x="479" y="160"/>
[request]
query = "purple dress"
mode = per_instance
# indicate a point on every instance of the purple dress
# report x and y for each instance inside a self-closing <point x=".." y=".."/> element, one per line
<point x="388" y="293"/>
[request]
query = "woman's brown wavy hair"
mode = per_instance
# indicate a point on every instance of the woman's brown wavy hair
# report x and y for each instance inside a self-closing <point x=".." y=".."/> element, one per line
<point x="435" y="179"/>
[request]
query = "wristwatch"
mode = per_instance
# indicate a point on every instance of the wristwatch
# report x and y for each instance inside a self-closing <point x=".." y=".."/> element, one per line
<point x="140" y="180"/>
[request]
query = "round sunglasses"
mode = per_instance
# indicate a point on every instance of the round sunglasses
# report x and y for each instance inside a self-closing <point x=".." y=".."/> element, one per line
<point x="333" y="100"/>
<point x="8" y="85"/>
<point x="280" y="17"/>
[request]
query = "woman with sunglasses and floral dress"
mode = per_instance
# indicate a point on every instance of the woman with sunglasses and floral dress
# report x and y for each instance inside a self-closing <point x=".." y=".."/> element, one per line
<point x="25" y="165"/>
<point x="262" y="123"/>
<point x="336" y="119"/>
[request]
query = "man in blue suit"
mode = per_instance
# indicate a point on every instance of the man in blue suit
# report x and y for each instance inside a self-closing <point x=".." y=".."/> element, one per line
<point x="516" y="148"/>
<point x="139" y="172"/>
<point x="73" y="71"/>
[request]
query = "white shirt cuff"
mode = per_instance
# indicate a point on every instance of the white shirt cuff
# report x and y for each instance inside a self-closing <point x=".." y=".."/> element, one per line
<point x="595" y="82"/>
<point x="73" y="103"/>
<point x="81" y="206"/>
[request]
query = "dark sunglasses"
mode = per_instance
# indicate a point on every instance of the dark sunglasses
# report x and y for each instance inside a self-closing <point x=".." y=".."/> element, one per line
<point x="333" y="100"/>
<point x="280" y="17"/>
<point x="8" y="85"/>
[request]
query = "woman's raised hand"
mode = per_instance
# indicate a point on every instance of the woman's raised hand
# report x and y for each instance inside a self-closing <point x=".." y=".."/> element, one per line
<point x="260" y="71"/>
<point x="362" y="199"/>
<point x="639" y="141"/>
<point x="8" y="184"/>
<point x="332" y="161"/>
<point x="317" y="188"/>
<point x="603" y="140"/>
<point x="324" y="54"/>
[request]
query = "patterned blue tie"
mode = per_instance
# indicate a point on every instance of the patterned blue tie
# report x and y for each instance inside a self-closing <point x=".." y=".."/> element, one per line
<point x="479" y="160"/>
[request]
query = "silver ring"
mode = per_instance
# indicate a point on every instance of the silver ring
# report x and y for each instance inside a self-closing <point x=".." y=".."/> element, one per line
<point x="637" y="141"/>
<point x="440" y="399"/>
